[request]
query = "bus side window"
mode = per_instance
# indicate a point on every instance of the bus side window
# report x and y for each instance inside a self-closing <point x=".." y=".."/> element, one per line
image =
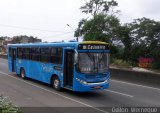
<point x="56" y="55"/>
<point x="26" y="53"/>
<point x="45" y="54"/>
<point x="59" y="55"/>
<point x="20" y="53"/>
<point x="53" y="53"/>
<point x="9" y="51"/>
<point x="35" y="54"/>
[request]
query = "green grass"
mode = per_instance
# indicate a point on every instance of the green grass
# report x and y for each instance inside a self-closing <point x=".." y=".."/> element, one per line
<point x="7" y="107"/>
<point x="120" y="63"/>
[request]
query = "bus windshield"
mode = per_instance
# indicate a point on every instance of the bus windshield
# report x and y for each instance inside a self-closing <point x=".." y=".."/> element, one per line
<point x="92" y="63"/>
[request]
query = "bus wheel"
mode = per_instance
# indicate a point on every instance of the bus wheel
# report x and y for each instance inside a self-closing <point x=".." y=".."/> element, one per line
<point x="56" y="83"/>
<point x="22" y="74"/>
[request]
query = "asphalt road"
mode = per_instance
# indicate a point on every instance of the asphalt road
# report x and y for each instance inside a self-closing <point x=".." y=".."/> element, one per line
<point x="36" y="97"/>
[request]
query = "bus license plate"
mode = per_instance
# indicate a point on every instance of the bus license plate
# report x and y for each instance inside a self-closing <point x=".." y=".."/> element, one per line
<point x="97" y="87"/>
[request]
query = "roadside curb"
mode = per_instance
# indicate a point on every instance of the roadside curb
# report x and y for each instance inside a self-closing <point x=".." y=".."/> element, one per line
<point x="148" y="78"/>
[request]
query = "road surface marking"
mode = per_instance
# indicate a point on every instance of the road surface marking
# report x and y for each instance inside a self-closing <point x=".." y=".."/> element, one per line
<point x="136" y="85"/>
<point x="55" y="93"/>
<point x="120" y="93"/>
<point x="2" y="63"/>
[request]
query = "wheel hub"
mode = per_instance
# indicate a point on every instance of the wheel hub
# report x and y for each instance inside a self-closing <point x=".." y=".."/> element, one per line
<point x="56" y="83"/>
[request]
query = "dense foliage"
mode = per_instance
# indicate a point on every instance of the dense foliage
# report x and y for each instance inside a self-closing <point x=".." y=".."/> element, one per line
<point x="7" y="107"/>
<point x="129" y="41"/>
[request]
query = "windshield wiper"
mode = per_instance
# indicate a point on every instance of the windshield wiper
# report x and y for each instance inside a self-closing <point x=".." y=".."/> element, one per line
<point x="91" y="56"/>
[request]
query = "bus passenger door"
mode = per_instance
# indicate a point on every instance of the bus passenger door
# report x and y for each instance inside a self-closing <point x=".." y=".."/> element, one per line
<point x="68" y="68"/>
<point x="13" y="59"/>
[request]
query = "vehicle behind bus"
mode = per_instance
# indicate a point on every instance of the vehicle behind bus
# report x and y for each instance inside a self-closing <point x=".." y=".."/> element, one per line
<point x="77" y="66"/>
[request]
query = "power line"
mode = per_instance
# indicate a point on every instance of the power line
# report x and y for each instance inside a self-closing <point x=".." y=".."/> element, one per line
<point x="60" y="34"/>
<point x="54" y="36"/>
<point x="28" y="28"/>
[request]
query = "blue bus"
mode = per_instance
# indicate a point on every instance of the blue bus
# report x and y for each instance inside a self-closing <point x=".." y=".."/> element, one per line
<point x="77" y="66"/>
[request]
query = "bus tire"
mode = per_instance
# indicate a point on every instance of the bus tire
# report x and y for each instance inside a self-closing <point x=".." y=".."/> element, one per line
<point x="22" y="74"/>
<point x="56" y="83"/>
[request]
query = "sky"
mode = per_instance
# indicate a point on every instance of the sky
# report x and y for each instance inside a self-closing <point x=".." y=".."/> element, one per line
<point x="48" y="19"/>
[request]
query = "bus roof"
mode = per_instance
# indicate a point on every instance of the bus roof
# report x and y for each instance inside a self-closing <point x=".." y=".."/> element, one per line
<point x="93" y="42"/>
<point x="57" y="44"/>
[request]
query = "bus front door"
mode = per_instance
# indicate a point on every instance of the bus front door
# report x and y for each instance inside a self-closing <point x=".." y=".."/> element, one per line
<point x="13" y="59"/>
<point x="69" y="68"/>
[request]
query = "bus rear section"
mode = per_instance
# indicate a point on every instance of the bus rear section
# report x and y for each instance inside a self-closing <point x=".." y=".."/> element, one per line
<point x="12" y="59"/>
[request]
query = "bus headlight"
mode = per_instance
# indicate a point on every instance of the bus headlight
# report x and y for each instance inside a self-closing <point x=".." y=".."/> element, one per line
<point x="107" y="81"/>
<point x="81" y="81"/>
<point x="62" y="74"/>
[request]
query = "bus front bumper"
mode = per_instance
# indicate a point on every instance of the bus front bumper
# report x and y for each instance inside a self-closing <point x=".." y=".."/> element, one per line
<point x="82" y="86"/>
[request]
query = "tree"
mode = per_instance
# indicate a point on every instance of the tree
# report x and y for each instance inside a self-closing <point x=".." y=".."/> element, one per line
<point x="147" y="32"/>
<point x="125" y="35"/>
<point x="16" y="39"/>
<point x="102" y="26"/>
<point x="95" y="7"/>
<point x="25" y="39"/>
<point x="3" y="37"/>
<point x="140" y="38"/>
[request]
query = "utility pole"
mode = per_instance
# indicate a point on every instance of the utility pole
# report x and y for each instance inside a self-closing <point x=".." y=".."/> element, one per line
<point x="73" y="30"/>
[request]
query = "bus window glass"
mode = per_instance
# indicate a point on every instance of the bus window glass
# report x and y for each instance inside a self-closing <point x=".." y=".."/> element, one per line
<point x="56" y="55"/>
<point x="92" y="63"/>
<point x="35" y="54"/>
<point x="45" y="54"/>
<point x="26" y="53"/>
<point x="20" y="53"/>
<point x="59" y="55"/>
<point x="9" y="51"/>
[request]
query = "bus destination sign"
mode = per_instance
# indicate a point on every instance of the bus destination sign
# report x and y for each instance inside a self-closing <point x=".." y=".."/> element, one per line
<point x="93" y="47"/>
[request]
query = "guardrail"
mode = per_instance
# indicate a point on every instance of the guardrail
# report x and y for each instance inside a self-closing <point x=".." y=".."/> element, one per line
<point x="149" y="78"/>
<point x="3" y="56"/>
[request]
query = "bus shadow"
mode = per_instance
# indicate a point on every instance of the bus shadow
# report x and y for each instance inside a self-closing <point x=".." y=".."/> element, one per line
<point x="88" y="95"/>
